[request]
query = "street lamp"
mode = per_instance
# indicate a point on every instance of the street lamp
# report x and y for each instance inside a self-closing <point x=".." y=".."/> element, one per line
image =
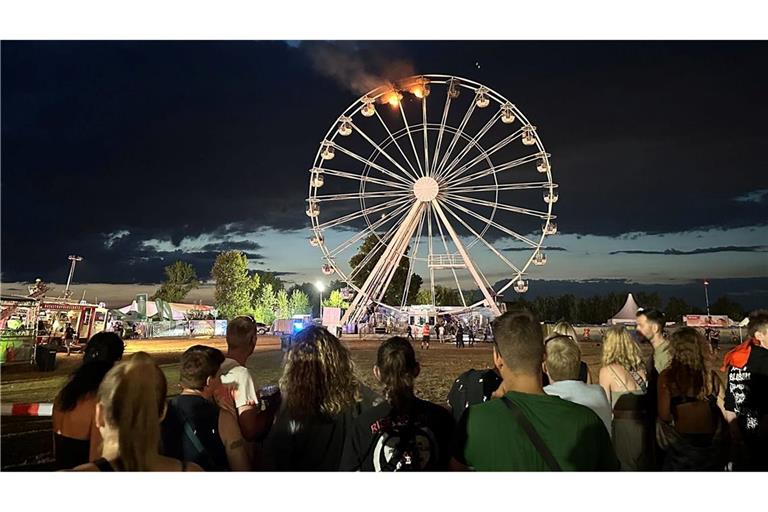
<point x="320" y="287"/>
<point x="706" y="295"/>
<point x="74" y="259"/>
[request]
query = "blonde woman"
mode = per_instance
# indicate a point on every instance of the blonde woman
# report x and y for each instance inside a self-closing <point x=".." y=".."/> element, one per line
<point x="320" y="394"/>
<point x="131" y="404"/>
<point x="623" y="378"/>
<point x="692" y="426"/>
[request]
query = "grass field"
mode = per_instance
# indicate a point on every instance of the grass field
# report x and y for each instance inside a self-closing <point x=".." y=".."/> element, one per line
<point x="26" y="443"/>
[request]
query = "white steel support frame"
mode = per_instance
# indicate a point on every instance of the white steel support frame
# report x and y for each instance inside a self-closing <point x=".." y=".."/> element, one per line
<point x="407" y="194"/>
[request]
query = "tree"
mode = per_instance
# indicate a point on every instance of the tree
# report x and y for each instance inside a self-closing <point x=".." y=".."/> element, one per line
<point x="423" y="297"/>
<point x="233" y="284"/>
<point x="725" y="306"/>
<point x="298" y="303"/>
<point x="270" y="278"/>
<point x="335" y="300"/>
<point x="445" y="296"/>
<point x="266" y="304"/>
<point x="282" y="305"/>
<point x="180" y="279"/>
<point x="676" y="308"/>
<point x="394" y="293"/>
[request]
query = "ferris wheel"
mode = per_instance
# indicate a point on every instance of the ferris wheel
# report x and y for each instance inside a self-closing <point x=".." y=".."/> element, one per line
<point x="437" y="174"/>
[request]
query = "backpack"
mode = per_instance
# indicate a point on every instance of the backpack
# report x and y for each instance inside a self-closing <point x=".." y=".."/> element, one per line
<point x="471" y="388"/>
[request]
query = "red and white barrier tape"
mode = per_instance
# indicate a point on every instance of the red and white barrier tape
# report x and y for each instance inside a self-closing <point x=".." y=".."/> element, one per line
<point x="36" y="409"/>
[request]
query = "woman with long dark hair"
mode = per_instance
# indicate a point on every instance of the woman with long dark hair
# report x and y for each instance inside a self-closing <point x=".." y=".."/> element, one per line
<point x="76" y="440"/>
<point x="401" y="432"/>
<point x="320" y="395"/>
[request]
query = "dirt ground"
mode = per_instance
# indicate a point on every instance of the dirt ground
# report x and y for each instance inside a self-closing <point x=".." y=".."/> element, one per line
<point x="26" y="443"/>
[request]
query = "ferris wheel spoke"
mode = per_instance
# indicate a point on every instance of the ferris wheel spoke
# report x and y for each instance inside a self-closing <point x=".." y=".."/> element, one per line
<point x="493" y="223"/>
<point x="440" y="132"/>
<point x="362" y="213"/>
<point x="395" y="214"/>
<point x="495" y="169"/>
<point x="447" y="251"/>
<point x="448" y="172"/>
<point x="483" y="240"/>
<point x="411" y="263"/>
<point x="380" y="150"/>
<point x="397" y="145"/>
<point x="430" y="252"/>
<point x="491" y="204"/>
<point x="488" y="153"/>
<point x="502" y="187"/>
<point x="410" y="137"/>
<point x="370" y="163"/>
<point x="455" y="139"/>
<point x="367" y="179"/>
<point x="473" y="271"/>
<point x="376" y="194"/>
<point x="381" y="242"/>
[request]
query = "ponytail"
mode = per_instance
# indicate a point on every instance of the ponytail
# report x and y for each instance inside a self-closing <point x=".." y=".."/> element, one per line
<point x="398" y="368"/>
<point x="133" y="397"/>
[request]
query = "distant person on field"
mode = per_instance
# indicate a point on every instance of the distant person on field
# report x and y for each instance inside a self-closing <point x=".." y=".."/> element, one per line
<point x="76" y="439"/>
<point x="321" y="395"/>
<point x="561" y="365"/>
<point x="692" y="428"/>
<point x="746" y="399"/>
<point x="425" y="336"/>
<point x="401" y="432"/>
<point x="201" y="423"/>
<point x="525" y="429"/>
<point x="459" y="334"/>
<point x="131" y="405"/>
<point x="623" y="378"/>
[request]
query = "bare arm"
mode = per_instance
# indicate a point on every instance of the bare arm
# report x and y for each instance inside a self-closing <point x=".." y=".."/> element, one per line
<point x="234" y="444"/>
<point x="589" y="374"/>
<point x="605" y="379"/>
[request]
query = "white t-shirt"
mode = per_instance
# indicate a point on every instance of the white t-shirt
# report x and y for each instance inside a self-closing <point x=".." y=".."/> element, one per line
<point x="589" y="395"/>
<point x="232" y="372"/>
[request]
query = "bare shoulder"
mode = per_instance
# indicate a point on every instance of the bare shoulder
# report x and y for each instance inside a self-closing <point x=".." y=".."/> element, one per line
<point x="191" y="466"/>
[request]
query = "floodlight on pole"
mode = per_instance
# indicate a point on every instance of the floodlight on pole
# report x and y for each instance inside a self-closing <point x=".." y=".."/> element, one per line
<point x="706" y="295"/>
<point x="320" y="288"/>
<point x="73" y="259"/>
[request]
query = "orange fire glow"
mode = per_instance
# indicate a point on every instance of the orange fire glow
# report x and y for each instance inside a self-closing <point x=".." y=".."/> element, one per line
<point x="393" y="98"/>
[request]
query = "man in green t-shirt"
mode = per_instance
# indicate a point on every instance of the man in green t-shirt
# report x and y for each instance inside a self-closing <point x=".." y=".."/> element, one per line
<point x="489" y="437"/>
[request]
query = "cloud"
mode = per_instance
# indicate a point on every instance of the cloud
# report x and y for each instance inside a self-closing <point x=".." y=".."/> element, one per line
<point x="708" y="250"/>
<point x="525" y="249"/>
<point x="242" y="245"/>
<point x="755" y="196"/>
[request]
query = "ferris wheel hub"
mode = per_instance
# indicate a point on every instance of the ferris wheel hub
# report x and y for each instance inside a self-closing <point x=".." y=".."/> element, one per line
<point x="425" y="189"/>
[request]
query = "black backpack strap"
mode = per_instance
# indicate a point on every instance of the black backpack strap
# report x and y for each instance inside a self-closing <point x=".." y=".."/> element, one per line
<point x="189" y="433"/>
<point x="534" y="436"/>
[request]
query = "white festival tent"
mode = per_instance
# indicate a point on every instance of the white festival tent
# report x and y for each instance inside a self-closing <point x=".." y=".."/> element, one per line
<point x="627" y="314"/>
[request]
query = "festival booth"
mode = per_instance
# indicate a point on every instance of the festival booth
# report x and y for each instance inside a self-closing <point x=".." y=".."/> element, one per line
<point x="158" y="318"/>
<point x="707" y="321"/>
<point x="628" y="313"/>
<point x="18" y="328"/>
<point x="56" y="314"/>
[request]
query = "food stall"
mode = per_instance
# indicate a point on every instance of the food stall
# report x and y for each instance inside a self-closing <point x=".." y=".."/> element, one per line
<point x="84" y="318"/>
<point x="18" y="328"/>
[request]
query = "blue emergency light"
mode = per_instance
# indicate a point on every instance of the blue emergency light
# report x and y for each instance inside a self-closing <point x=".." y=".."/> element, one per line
<point x="297" y="326"/>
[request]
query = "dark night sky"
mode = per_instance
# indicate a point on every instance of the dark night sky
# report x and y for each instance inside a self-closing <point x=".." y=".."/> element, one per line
<point x="659" y="146"/>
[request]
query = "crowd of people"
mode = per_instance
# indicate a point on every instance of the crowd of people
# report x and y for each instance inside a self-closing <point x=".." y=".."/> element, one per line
<point x="535" y="409"/>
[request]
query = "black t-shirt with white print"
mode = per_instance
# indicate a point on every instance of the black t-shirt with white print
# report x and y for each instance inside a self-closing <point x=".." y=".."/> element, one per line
<point x="747" y="395"/>
<point x="383" y="440"/>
